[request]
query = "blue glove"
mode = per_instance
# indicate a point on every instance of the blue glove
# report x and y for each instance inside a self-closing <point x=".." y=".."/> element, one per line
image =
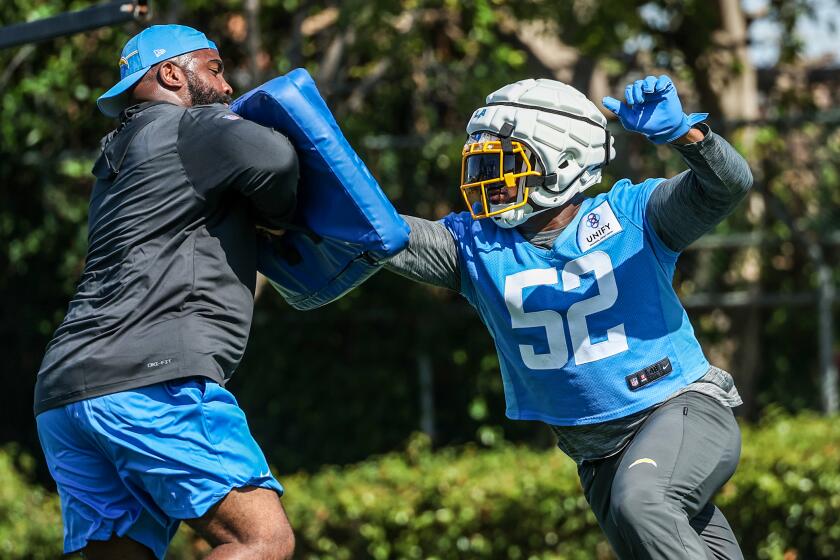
<point x="653" y="109"/>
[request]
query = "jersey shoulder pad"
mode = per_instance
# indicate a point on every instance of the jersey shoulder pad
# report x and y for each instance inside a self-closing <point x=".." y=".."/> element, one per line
<point x="630" y="199"/>
<point x="460" y="224"/>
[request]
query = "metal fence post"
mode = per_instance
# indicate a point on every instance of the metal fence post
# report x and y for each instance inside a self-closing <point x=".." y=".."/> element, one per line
<point x="825" y="310"/>
<point x="427" y="400"/>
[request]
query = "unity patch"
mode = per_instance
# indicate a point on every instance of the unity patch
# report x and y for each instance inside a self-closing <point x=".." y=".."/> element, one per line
<point x="596" y="226"/>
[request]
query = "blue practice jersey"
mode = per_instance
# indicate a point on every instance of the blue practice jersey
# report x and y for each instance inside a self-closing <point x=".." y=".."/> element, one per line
<point x="590" y="330"/>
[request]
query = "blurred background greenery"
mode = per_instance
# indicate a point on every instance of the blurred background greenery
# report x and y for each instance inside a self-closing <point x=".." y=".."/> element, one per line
<point x="348" y="385"/>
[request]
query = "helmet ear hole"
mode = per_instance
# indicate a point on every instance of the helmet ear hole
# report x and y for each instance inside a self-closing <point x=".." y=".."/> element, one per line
<point x="567" y="157"/>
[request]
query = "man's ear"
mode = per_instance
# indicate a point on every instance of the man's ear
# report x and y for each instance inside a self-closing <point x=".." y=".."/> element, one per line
<point x="171" y="76"/>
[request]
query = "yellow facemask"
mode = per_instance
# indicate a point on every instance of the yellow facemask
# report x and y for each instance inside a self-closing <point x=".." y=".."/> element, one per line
<point x="492" y="179"/>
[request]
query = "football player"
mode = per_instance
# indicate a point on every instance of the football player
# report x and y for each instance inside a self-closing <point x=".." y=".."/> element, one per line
<point x="576" y="292"/>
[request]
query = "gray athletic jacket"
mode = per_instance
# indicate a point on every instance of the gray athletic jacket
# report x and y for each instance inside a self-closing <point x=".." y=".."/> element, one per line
<point x="167" y="288"/>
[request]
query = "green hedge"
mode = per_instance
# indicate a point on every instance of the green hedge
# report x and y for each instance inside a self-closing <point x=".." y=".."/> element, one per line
<point x="785" y="495"/>
<point x="515" y="503"/>
<point x="507" y="502"/>
<point x="504" y="502"/>
<point x="30" y="518"/>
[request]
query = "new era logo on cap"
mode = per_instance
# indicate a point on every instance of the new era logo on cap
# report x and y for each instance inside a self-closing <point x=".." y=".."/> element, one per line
<point x="159" y="52"/>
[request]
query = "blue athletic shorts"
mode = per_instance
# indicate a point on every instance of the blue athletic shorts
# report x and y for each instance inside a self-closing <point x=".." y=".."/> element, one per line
<point x="135" y="463"/>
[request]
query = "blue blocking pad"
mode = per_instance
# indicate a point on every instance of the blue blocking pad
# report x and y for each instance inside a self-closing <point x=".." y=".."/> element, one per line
<point x="355" y="227"/>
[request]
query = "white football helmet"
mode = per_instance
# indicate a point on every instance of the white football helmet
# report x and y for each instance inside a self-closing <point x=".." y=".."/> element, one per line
<point x="532" y="147"/>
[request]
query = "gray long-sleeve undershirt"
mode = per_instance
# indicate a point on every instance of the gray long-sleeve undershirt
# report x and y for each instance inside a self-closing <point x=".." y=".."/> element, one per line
<point x="680" y="210"/>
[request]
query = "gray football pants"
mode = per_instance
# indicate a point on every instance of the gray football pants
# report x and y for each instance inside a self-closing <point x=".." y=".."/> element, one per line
<point x="653" y="500"/>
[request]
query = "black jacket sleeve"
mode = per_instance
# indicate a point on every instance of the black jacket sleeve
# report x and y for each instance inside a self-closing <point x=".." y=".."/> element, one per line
<point x="221" y="150"/>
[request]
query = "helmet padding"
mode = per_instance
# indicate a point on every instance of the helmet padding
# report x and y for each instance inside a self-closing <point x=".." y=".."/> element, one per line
<point x="564" y="130"/>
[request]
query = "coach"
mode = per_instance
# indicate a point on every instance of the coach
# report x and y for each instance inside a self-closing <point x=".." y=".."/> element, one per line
<point x="137" y="428"/>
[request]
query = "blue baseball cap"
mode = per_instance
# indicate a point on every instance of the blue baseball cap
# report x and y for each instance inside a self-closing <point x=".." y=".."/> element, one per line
<point x="149" y="47"/>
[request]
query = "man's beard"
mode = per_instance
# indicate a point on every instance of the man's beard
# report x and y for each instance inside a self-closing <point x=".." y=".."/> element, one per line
<point x="202" y="94"/>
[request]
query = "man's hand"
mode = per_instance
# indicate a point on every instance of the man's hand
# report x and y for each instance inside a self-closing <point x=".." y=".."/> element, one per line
<point x="653" y="109"/>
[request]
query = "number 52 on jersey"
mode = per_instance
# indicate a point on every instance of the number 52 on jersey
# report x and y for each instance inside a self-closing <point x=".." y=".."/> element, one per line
<point x="583" y="349"/>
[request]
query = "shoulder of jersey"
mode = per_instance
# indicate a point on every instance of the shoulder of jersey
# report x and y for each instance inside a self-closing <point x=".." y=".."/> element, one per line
<point x="619" y="193"/>
<point x="625" y="189"/>
<point x="460" y="223"/>
<point x="620" y="185"/>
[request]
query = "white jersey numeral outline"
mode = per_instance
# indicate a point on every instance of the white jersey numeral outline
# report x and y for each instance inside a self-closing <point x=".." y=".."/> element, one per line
<point x="584" y="350"/>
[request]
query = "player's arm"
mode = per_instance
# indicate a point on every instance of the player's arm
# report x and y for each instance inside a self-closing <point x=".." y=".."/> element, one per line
<point x="220" y="150"/>
<point x="685" y="207"/>
<point x="431" y="256"/>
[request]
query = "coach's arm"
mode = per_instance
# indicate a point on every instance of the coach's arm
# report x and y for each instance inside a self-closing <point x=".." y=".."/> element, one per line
<point x="221" y="151"/>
